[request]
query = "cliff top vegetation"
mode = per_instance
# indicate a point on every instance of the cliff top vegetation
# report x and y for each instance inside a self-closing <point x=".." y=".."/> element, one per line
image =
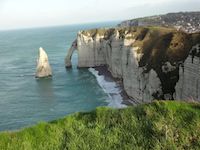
<point x="159" y="125"/>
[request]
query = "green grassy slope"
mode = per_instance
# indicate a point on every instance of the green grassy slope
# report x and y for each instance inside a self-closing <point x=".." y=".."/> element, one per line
<point x="159" y="125"/>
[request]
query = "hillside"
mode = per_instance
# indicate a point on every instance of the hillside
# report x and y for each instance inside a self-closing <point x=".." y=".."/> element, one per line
<point x="186" y="21"/>
<point x="159" y="125"/>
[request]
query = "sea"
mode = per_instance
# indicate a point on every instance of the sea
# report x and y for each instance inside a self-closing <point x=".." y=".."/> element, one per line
<point x="25" y="100"/>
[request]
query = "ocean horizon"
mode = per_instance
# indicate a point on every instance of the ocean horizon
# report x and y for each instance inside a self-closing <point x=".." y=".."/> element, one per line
<point x="102" y="24"/>
<point x="26" y="100"/>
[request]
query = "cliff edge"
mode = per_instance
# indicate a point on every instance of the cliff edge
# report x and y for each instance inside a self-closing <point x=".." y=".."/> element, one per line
<point x="153" y="62"/>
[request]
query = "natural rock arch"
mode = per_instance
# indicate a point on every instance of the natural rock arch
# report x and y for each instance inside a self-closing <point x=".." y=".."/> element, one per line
<point x="70" y="52"/>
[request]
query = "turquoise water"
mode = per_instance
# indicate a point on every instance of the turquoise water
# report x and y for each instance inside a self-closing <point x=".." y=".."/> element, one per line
<point x="24" y="101"/>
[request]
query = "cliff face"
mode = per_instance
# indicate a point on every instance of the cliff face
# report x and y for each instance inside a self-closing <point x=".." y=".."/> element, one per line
<point x="154" y="62"/>
<point x="186" y="21"/>
<point x="188" y="85"/>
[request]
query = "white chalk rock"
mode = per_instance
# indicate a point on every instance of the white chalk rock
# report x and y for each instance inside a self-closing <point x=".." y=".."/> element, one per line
<point x="122" y="61"/>
<point x="122" y="56"/>
<point x="43" y="68"/>
<point x="70" y="52"/>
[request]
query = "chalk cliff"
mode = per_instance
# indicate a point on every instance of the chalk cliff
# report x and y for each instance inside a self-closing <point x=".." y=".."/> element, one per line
<point x="43" y="68"/>
<point x="153" y="62"/>
<point x="188" y="86"/>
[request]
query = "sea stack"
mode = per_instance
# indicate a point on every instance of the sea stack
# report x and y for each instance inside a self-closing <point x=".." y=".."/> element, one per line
<point x="43" y="68"/>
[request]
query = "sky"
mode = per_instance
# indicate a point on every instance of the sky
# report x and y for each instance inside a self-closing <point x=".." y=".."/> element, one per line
<point x="38" y="13"/>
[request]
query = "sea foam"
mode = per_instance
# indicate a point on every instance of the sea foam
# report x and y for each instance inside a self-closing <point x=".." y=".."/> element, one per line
<point x="111" y="89"/>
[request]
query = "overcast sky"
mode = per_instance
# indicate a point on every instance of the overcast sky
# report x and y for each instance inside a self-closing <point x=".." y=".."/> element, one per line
<point x="35" y="13"/>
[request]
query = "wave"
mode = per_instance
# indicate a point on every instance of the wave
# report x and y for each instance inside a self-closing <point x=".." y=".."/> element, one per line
<point x="111" y="89"/>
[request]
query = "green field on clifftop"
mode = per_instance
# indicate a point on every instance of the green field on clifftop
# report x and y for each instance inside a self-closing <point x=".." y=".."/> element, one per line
<point x="159" y="125"/>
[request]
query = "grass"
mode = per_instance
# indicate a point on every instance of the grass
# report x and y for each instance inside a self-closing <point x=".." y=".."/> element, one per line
<point x="159" y="125"/>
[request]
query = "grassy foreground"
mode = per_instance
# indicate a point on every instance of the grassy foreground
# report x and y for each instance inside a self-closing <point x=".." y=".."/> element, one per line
<point x="159" y="125"/>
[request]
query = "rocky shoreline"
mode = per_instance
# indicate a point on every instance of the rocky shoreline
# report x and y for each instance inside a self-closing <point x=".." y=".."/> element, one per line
<point x="103" y="70"/>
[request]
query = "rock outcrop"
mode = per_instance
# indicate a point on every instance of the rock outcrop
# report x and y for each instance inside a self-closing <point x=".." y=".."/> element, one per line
<point x="73" y="47"/>
<point x="186" y="21"/>
<point x="149" y="60"/>
<point x="43" y="68"/>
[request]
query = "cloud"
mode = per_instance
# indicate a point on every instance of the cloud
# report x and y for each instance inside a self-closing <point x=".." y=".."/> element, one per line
<point x="2" y="2"/>
<point x="29" y="13"/>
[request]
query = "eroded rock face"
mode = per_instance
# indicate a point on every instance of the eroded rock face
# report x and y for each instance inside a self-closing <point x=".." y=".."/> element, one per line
<point x="90" y="51"/>
<point x="43" y="68"/>
<point x="73" y="47"/>
<point x="148" y="60"/>
<point x="188" y="86"/>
